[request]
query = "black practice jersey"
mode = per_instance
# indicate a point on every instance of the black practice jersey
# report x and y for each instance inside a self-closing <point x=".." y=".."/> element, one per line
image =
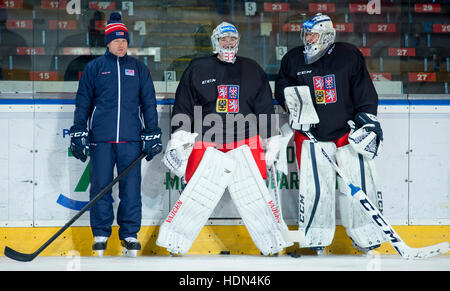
<point x="219" y="97"/>
<point x="339" y="83"/>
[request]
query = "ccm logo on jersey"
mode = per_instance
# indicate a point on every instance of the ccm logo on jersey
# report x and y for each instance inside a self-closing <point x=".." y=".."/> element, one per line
<point x="208" y="81"/>
<point x="325" y="89"/>
<point x="228" y="99"/>
<point x="304" y="72"/>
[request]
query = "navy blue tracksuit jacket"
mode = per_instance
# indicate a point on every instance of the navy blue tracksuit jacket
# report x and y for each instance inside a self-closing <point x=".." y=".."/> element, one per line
<point x="116" y="95"/>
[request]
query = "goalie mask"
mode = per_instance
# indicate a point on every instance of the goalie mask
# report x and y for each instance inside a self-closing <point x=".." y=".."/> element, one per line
<point x="228" y="51"/>
<point x="318" y="35"/>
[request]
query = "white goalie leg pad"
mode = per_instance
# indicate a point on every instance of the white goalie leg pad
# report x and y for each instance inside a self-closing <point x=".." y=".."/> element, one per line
<point x="256" y="206"/>
<point x="196" y="202"/>
<point x="361" y="171"/>
<point x="317" y="195"/>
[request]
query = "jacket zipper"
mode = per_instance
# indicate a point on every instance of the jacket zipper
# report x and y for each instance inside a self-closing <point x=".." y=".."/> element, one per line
<point x="92" y="118"/>
<point x="141" y="118"/>
<point x="118" y="100"/>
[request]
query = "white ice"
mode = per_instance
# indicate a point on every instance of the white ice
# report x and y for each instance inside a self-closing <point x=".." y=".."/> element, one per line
<point x="230" y="263"/>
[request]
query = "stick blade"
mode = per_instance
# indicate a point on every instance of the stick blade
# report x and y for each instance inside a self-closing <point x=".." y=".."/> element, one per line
<point x="12" y="254"/>
<point x="430" y="251"/>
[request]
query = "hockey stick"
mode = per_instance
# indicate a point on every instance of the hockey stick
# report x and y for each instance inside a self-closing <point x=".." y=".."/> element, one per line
<point x="373" y="213"/>
<point x="15" y="255"/>
<point x="288" y="235"/>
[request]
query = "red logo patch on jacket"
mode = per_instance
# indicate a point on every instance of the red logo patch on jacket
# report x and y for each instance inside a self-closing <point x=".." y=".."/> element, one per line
<point x="228" y="99"/>
<point x="325" y="89"/>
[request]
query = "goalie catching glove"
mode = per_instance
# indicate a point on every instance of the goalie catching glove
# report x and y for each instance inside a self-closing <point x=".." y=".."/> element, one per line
<point x="151" y="142"/>
<point x="366" y="136"/>
<point x="178" y="151"/>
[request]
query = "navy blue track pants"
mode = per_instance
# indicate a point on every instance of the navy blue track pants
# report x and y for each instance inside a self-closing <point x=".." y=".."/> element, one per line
<point x="104" y="157"/>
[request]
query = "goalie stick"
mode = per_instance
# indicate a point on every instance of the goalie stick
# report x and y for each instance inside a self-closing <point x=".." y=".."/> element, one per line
<point x="18" y="256"/>
<point x="373" y="213"/>
<point x="288" y="235"/>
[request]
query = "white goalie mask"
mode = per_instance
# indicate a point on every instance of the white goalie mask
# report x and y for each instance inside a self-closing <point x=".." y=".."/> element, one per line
<point x="323" y="26"/>
<point x="228" y="52"/>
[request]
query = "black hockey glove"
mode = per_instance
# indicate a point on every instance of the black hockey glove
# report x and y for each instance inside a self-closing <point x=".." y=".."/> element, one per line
<point x="79" y="143"/>
<point x="151" y="142"/>
<point x="366" y="136"/>
<point x="370" y="123"/>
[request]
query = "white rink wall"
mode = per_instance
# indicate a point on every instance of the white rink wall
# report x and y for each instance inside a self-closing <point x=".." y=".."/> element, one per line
<point x="36" y="170"/>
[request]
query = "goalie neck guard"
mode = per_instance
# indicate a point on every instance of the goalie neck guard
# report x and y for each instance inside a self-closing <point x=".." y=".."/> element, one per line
<point x="227" y="53"/>
<point x="323" y="26"/>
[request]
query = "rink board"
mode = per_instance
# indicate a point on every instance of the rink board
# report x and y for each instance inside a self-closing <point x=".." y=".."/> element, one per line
<point x="40" y="183"/>
<point x="212" y="240"/>
<point x="36" y="170"/>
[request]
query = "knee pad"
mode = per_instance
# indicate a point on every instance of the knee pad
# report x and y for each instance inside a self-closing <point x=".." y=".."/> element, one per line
<point x="196" y="202"/>
<point x="317" y="194"/>
<point x="255" y="204"/>
<point x="361" y="171"/>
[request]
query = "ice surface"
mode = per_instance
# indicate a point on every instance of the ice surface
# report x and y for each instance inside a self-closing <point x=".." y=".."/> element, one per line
<point x="230" y="263"/>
